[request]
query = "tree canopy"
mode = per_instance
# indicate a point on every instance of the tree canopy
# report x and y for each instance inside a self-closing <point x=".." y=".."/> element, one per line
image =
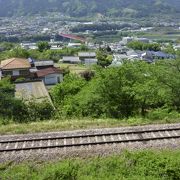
<point x="137" y="45"/>
<point x="134" y="88"/>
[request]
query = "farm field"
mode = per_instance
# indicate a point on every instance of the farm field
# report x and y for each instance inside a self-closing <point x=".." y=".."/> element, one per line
<point x="73" y="68"/>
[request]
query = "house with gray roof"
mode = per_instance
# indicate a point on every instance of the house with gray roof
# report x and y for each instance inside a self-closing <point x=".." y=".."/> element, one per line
<point x="90" y="62"/>
<point x="86" y="55"/>
<point x="70" y="59"/>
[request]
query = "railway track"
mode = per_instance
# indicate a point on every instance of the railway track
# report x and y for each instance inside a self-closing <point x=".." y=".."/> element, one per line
<point x="90" y="139"/>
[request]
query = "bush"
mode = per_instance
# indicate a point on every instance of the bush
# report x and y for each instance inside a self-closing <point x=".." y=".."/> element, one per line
<point x="37" y="111"/>
<point x="163" y="113"/>
<point x="145" y="165"/>
<point x="21" y="79"/>
<point x="87" y="75"/>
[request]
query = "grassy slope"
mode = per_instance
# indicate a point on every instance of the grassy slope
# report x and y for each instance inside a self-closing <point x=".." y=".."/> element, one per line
<point x="147" y="165"/>
<point x="72" y="124"/>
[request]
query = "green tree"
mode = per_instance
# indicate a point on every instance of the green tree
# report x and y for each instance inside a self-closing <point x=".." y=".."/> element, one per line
<point x="148" y="92"/>
<point x="71" y="85"/>
<point x="169" y="49"/>
<point x="7" y="46"/>
<point x="105" y="95"/>
<point x="42" y="46"/>
<point x="16" y="52"/>
<point x="133" y="88"/>
<point x="137" y="45"/>
<point x="104" y="58"/>
<point x="168" y="76"/>
<point x="39" y="110"/>
<point x="9" y="105"/>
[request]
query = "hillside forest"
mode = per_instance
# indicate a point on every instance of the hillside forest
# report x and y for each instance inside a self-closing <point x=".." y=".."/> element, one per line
<point x="79" y="8"/>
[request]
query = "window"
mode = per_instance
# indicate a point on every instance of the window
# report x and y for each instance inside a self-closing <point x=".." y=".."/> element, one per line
<point x="24" y="72"/>
<point x="15" y="72"/>
<point x="7" y="73"/>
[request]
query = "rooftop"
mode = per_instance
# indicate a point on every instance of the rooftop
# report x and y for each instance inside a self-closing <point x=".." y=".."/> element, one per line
<point x="44" y="63"/>
<point x="87" y="54"/>
<point x="15" y="63"/>
<point x="71" y="58"/>
<point x="32" y="90"/>
<point x="47" y="71"/>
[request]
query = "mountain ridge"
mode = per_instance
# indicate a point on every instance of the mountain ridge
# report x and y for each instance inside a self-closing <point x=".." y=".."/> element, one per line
<point x="80" y="8"/>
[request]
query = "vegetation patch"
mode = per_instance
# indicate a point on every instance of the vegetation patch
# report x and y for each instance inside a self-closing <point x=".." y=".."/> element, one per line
<point x="137" y="165"/>
<point x="133" y="89"/>
<point x="75" y="124"/>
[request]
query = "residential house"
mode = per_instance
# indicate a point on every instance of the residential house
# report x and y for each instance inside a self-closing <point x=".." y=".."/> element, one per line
<point x="50" y="76"/>
<point x="15" y="68"/>
<point x="71" y="59"/>
<point x="86" y="55"/>
<point x="90" y="62"/>
<point x="31" y="70"/>
<point x="45" y="71"/>
<point x="132" y="54"/>
<point x="43" y="64"/>
<point x="148" y="57"/>
<point x="151" y="56"/>
<point x="28" y="45"/>
<point x="86" y="58"/>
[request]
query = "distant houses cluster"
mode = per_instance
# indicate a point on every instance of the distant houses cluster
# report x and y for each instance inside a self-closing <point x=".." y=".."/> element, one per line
<point x="121" y="52"/>
<point x="147" y="56"/>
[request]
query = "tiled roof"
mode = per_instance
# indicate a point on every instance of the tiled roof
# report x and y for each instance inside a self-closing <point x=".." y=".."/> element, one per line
<point x="47" y="71"/>
<point x="15" y="63"/>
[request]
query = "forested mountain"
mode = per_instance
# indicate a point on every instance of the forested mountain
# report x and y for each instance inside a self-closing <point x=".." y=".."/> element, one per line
<point x="125" y="8"/>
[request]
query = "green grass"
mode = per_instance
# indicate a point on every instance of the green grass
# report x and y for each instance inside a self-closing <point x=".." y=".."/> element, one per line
<point x="74" y="124"/>
<point x="139" y="165"/>
<point x="74" y="68"/>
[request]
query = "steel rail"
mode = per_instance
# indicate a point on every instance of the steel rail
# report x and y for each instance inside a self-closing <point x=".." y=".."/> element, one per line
<point x="139" y="139"/>
<point x="89" y="135"/>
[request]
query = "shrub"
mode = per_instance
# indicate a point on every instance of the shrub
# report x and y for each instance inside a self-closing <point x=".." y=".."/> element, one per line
<point x="87" y="75"/>
<point x="145" y="165"/>
<point x="39" y="111"/>
<point x="163" y="113"/>
<point x="21" y="79"/>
